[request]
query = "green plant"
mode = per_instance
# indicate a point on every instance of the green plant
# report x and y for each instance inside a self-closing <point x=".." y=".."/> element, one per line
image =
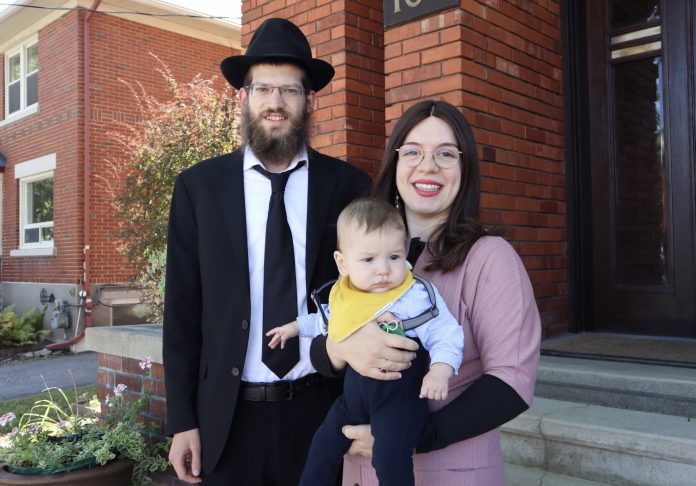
<point x="22" y="405"/>
<point x="152" y="282"/>
<point x="195" y="122"/>
<point x="27" y="329"/>
<point x="60" y="435"/>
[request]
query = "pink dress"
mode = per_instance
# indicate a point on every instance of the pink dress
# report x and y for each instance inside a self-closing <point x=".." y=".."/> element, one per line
<point x="492" y="298"/>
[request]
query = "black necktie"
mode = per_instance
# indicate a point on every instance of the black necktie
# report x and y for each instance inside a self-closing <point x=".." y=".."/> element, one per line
<point x="279" y="287"/>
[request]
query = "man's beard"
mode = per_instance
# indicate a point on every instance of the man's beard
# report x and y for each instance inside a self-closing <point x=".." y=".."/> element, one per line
<point x="270" y="148"/>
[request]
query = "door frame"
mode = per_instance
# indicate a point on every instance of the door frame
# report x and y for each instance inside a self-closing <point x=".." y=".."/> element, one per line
<point x="577" y="152"/>
<point x="578" y="176"/>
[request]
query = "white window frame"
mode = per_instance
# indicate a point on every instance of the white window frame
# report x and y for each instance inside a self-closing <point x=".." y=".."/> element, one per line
<point x="26" y="173"/>
<point x="24" y="109"/>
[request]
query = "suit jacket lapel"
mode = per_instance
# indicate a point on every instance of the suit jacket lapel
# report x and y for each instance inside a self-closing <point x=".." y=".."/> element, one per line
<point x="229" y="185"/>
<point x="321" y="187"/>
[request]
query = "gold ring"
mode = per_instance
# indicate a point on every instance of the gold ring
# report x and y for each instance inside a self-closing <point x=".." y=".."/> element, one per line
<point x="385" y="368"/>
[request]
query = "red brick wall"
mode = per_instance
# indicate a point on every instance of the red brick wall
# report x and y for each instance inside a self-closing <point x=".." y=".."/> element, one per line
<point x="120" y="49"/>
<point x="500" y="62"/>
<point x="349" y="116"/>
<point x="114" y="370"/>
<point x="55" y="128"/>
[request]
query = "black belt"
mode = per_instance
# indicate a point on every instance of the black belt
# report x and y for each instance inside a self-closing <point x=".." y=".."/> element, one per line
<point x="278" y="390"/>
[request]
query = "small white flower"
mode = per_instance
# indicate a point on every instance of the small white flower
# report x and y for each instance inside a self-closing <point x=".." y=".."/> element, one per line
<point x="119" y="389"/>
<point x="146" y="363"/>
<point x="7" y="418"/>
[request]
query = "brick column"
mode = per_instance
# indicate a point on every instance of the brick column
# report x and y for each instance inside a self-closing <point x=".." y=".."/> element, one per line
<point x="349" y="113"/>
<point x="500" y="62"/>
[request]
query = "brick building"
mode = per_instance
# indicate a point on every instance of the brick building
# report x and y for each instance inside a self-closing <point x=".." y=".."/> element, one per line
<point x="599" y="206"/>
<point x="584" y="113"/>
<point x="57" y="221"/>
<point x="584" y="116"/>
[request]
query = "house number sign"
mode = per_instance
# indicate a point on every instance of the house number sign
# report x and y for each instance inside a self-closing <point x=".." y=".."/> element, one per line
<point x="400" y="11"/>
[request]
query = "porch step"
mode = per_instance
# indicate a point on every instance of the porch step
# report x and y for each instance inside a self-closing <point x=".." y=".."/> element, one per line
<point x="635" y="386"/>
<point x="607" y="422"/>
<point x="528" y="476"/>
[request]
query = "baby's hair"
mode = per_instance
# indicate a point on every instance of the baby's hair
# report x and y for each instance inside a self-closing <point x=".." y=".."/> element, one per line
<point x="369" y="214"/>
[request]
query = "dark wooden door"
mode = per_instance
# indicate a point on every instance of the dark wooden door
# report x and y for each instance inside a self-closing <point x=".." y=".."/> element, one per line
<point x="641" y="114"/>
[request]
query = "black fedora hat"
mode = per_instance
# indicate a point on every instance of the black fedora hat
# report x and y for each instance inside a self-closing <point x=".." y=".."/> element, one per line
<point x="278" y="39"/>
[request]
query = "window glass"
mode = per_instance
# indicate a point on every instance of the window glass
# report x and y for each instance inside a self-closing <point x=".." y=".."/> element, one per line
<point x="22" y="79"/>
<point x="14" y="68"/>
<point x="32" y="89"/>
<point x="14" y="101"/>
<point x="641" y="194"/>
<point x="32" y="58"/>
<point x="40" y="201"/>
<point x="47" y="233"/>
<point x="624" y="13"/>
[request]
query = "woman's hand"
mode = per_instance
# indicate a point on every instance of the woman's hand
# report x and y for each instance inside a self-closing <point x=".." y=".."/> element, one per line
<point x="373" y="352"/>
<point x="361" y="435"/>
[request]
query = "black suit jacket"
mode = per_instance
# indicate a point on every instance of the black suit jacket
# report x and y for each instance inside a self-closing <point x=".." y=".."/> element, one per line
<point x="207" y="303"/>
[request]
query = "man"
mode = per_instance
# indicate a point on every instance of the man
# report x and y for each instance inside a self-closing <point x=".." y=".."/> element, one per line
<point x="240" y="415"/>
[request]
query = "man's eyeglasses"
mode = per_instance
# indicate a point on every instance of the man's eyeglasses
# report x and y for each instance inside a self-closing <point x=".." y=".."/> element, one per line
<point x="445" y="156"/>
<point x="263" y="91"/>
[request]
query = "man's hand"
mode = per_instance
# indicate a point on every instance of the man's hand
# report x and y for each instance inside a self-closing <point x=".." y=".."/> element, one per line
<point x="361" y="435"/>
<point x="373" y="352"/>
<point x="185" y="455"/>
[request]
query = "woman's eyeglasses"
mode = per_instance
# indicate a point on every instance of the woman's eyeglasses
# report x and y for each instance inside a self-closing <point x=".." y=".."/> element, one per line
<point x="263" y="91"/>
<point x="445" y="156"/>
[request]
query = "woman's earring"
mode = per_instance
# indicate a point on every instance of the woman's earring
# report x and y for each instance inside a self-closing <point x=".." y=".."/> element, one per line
<point x="396" y="201"/>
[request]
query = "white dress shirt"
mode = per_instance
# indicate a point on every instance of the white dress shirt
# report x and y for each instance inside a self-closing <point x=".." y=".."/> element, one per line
<point x="257" y="194"/>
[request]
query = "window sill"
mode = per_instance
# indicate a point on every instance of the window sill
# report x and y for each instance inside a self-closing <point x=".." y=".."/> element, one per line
<point x="34" y="252"/>
<point x="18" y="115"/>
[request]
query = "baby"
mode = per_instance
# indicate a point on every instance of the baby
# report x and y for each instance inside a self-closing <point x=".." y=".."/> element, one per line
<point x="377" y="284"/>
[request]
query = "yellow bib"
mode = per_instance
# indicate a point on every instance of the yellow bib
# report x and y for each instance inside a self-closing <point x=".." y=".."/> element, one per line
<point x="352" y="308"/>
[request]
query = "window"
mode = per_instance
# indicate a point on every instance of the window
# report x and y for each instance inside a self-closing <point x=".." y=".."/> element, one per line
<point x="35" y="206"/>
<point x="22" y="79"/>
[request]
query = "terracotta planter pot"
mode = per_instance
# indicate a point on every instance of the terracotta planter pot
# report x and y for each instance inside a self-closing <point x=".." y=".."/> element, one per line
<point x="117" y="473"/>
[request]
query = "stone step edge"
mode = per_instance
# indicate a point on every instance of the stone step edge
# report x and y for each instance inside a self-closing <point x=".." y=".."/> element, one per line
<point x="629" y="378"/>
<point x="516" y="475"/>
<point x="645" y="434"/>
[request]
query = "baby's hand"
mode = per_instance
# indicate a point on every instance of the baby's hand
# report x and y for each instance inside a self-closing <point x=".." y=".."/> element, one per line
<point x="282" y="334"/>
<point x="386" y="317"/>
<point x="436" y="382"/>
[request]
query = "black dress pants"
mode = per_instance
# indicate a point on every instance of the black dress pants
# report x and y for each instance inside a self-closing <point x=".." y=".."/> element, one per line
<point x="268" y="441"/>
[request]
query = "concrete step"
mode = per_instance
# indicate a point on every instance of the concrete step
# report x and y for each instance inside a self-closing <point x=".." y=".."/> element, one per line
<point x="603" y="444"/>
<point x="531" y="476"/>
<point x="648" y="388"/>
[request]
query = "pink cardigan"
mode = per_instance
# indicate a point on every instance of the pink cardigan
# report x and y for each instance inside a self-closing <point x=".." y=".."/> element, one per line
<point x="492" y="298"/>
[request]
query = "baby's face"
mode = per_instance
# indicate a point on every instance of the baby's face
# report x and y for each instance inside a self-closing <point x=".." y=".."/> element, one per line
<point x="376" y="261"/>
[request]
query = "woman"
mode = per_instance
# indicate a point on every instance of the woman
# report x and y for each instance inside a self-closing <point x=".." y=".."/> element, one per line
<point x="430" y="171"/>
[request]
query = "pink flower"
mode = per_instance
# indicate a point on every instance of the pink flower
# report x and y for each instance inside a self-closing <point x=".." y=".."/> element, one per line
<point x="7" y="418"/>
<point x="119" y="389"/>
<point x="146" y="363"/>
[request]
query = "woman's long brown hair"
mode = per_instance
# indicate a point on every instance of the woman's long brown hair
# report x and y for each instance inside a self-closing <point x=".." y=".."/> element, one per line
<point x="451" y="241"/>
